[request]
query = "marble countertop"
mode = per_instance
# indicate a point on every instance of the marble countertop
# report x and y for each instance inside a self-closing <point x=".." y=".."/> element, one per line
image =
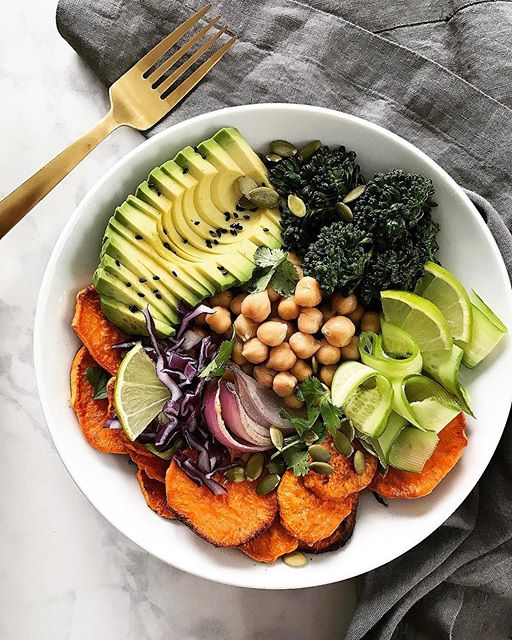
<point x="65" y="572"/>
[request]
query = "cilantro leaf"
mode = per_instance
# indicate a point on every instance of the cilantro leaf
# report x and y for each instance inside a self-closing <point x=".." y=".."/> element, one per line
<point x="216" y="368"/>
<point x="265" y="257"/>
<point x="260" y="280"/>
<point x="98" y="378"/>
<point x="297" y="459"/>
<point x="273" y="268"/>
<point x="285" y="278"/>
<point x="312" y="391"/>
<point x="331" y="415"/>
<point x="303" y="424"/>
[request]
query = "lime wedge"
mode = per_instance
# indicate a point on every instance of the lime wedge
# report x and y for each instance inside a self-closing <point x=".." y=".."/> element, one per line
<point x="443" y="289"/>
<point x="139" y="395"/>
<point x="420" y="317"/>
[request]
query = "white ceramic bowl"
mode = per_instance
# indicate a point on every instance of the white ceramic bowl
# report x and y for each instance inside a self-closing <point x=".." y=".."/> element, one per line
<point x="109" y="482"/>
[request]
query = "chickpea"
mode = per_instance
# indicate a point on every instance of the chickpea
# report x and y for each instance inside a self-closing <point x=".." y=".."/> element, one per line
<point x="294" y="259"/>
<point x="247" y="368"/>
<point x="310" y="320"/>
<point x="281" y="358"/>
<point x="236" y="303"/>
<point x="288" y="309"/>
<point x="220" y="321"/>
<point x="356" y="315"/>
<point x="273" y="295"/>
<point x="327" y="374"/>
<point x="371" y="322"/>
<point x="255" y="351"/>
<point x="338" y="330"/>
<point x="290" y="329"/>
<point x="245" y="328"/>
<point x="293" y="402"/>
<point x="256" y="306"/>
<point x="222" y="299"/>
<point x="272" y="333"/>
<point x="307" y="292"/>
<point x="342" y="306"/>
<point x="327" y="312"/>
<point x="236" y="354"/>
<point x="304" y="344"/>
<point x="301" y="370"/>
<point x="264" y="375"/>
<point x="284" y="384"/>
<point x="328" y="353"/>
<point x="351" y="350"/>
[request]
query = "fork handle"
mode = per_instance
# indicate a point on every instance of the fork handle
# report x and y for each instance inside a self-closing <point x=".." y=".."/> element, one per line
<point x="18" y="203"/>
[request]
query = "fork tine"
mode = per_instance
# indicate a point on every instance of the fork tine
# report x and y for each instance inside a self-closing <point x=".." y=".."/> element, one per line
<point x="159" y="72"/>
<point x="171" y="79"/>
<point x="185" y="87"/>
<point x="164" y="45"/>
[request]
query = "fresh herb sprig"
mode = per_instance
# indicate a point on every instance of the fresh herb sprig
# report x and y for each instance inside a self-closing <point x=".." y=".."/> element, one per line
<point x="273" y="268"/>
<point x="98" y="378"/>
<point x="216" y="368"/>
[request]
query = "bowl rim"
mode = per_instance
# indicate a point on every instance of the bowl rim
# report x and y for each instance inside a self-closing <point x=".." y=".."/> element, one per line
<point x="51" y="268"/>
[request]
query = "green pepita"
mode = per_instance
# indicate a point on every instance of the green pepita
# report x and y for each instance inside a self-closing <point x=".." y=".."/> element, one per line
<point x="306" y="152"/>
<point x="254" y="466"/>
<point x="246" y="456"/>
<point x="314" y="364"/>
<point x="309" y="438"/>
<point x="355" y="193"/>
<point x="245" y="203"/>
<point x="359" y="463"/>
<point x="276" y="466"/>
<point x="344" y="211"/>
<point x="319" y="453"/>
<point x="283" y="148"/>
<point x="347" y="428"/>
<point x="264" y="197"/>
<point x="246" y="184"/>
<point x="342" y="444"/>
<point x="276" y="436"/>
<point x="268" y="484"/>
<point x="295" y="559"/>
<point x="235" y="474"/>
<point x="273" y="157"/>
<point x="296" y="206"/>
<point x="321" y="467"/>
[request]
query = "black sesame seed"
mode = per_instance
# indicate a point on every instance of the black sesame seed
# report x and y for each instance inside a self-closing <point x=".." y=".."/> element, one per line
<point x="133" y="308"/>
<point x="215" y="242"/>
<point x="128" y="284"/>
<point x="262" y="184"/>
<point x="185" y="241"/>
<point x="167" y="245"/>
<point x="266" y="230"/>
<point x="212" y="233"/>
<point x="158" y="296"/>
<point x="141" y="295"/>
<point x="165" y="231"/>
<point x="142" y="280"/>
<point x="174" y="274"/>
<point x="156" y="277"/>
<point x="247" y="217"/>
<point x="197" y="222"/>
<point x="208" y="243"/>
<point x="138" y="237"/>
<point x="223" y="230"/>
<point x="203" y="156"/>
<point x="196" y="150"/>
<point x="219" y="233"/>
<point x="118" y="264"/>
<point x="220" y="267"/>
<point x="233" y="232"/>
<point x="151" y="185"/>
<point x="235" y="215"/>
<point x="239" y="208"/>
<point x="185" y="169"/>
<point x="155" y="290"/>
<point x="227" y="215"/>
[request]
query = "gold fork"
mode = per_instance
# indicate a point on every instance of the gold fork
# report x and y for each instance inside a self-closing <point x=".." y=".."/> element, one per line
<point x="139" y="99"/>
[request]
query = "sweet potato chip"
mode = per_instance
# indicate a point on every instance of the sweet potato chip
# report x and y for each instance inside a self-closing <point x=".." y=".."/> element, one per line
<point x="110" y="397"/>
<point x="228" y="520"/>
<point x="344" y="480"/>
<point x="152" y="465"/>
<point x="404" y="484"/>
<point x="96" y="332"/>
<point x="305" y="515"/>
<point x="270" y="545"/>
<point x="337" y="539"/>
<point x="154" y="492"/>
<point x="92" y="414"/>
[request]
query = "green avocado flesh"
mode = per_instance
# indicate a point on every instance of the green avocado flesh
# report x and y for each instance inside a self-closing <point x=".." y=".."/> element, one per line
<point x="181" y="237"/>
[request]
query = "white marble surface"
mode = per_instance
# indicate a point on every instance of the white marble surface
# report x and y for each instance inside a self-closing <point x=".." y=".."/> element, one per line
<point x="65" y="572"/>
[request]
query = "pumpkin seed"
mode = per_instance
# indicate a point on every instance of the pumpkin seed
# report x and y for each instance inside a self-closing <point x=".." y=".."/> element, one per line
<point x="283" y="148"/>
<point x="309" y="438"/>
<point x="319" y="453"/>
<point x="314" y="365"/>
<point x="355" y="193"/>
<point x="321" y="467"/>
<point x="276" y="466"/>
<point x="344" y="211"/>
<point x="359" y="463"/>
<point x="246" y="456"/>
<point x="246" y="184"/>
<point x="296" y="206"/>
<point x="276" y="436"/>
<point x="264" y="197"/>
<point x="245" y="203"/>
<point x="342" y="444"/>
<point x="306" y="152"/>
<point x="268" y="484"/>
<point x="254" y="466"/>
<point x="295" y="559"/>
<point x="235" y="474"/>
<point x="273" y="157"/>
<point x="347" y="428"/>
<point x="369" y="448"/>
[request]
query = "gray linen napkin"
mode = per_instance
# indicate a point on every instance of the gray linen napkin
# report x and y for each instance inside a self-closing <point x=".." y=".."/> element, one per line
<point x="439" y="75"/>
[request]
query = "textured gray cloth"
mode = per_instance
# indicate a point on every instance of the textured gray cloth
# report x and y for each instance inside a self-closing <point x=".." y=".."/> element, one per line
<point x="439" y="73"/>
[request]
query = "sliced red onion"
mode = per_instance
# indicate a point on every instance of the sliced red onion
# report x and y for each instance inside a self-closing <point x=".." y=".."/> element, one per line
<point x="216" y="424"/>
<point x="188" y="317"/>
<point x="238" y="422"/>
<point x="190" y="339"/>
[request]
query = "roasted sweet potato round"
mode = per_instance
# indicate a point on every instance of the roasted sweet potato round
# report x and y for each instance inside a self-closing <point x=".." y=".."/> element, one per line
<point x="337" y="539"/>
<point x="96" y="332"/>
<point x="344" y="480"/>
<point x="305" y="515"/>
<point x="228" y="520"/>
<point x="153" y="466"/>
<point x="92" y="414"/>
<point x="154" y="492"/>
<point x="271" y="544"/>
<point x="404" y="484"/>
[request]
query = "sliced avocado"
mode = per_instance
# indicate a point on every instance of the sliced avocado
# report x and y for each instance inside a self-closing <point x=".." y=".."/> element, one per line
<point x="132" y="322"/>
<point x="232" y="141"/>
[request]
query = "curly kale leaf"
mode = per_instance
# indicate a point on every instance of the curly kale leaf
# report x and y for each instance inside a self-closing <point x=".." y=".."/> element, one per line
<point x="321" y="182"/>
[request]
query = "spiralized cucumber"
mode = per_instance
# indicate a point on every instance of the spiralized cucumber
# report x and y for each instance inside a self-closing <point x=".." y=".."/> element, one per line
<point x="411" y="449"/>
<point x="444" y="367"/>
<point x="395" y="353"/>
<point x="488" y="332"/>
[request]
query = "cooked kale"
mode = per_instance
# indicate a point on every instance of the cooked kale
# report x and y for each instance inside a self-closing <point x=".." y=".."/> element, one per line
<point x="321" y="182"/>
<point x="386" y="246"/>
